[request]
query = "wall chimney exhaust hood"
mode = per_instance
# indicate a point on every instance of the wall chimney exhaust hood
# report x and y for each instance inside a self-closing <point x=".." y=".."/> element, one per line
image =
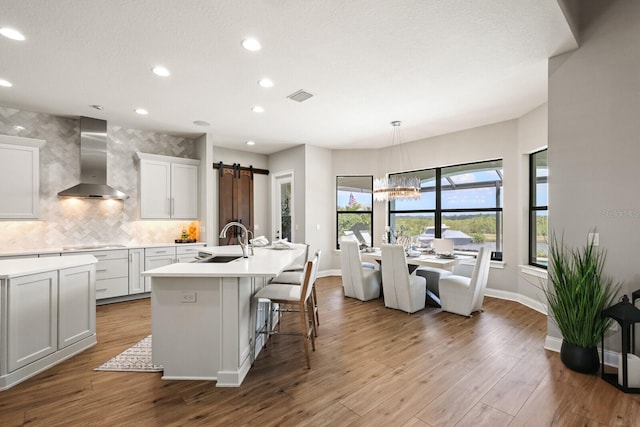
<point x="93" y="164"/>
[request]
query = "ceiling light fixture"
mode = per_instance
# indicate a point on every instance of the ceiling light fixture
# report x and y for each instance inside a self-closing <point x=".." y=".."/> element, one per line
<point x="257" y="109"/>
<point x="97" y="107"/>
<point x="265" y="82"/>
<point x="201" y="123"/>
<point x="396" y="187"/>
<point x="141" y="111"/>
<point x="161" y="71"/>
<point x="12" y="34"/>
<point x="251" y="143"/>
<point x="251" y="44"/>
<point x="19" y="128"/>
<point x="5" y="83"/>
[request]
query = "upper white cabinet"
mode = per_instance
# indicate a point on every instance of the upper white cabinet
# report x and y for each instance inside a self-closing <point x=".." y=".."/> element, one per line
<point x="168" y="187"/>
<point x="19" y="177"/>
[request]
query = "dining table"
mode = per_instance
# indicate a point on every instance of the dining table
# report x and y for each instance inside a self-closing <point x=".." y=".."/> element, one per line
<point x="418" y="258"/>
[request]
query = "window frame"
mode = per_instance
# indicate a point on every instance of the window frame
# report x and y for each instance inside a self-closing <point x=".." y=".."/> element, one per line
<point x="438" y="212"/>
<point x="534" y="208"/>
<point x="339" y="212"/>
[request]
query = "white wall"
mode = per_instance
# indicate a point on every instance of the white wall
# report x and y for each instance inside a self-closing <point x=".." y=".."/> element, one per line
<point x="594" y="136"/>
<point x="292" y="159"/>
<point x="320" y="197"/>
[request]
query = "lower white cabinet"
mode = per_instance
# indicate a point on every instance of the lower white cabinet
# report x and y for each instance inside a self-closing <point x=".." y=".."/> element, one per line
<point x="112" y="272"/>
<point x="47" y="314"/>
<point x="32" y="318"/>
<point x="136" y="267"/>
<point x="187" y="253"/>
<point x="157" y="257"/>
<point x="76" y="305"/>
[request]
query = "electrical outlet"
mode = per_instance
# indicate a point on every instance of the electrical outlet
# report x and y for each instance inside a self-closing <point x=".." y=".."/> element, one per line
<point x="595" y="237"/>
<point x="188" y="296"/>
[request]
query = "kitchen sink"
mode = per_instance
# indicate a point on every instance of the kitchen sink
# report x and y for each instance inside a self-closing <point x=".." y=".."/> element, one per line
<point x="221" y="258"/>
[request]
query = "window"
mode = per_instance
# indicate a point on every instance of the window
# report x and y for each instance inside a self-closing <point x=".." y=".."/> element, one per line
<point x="462" y="203"/>
<point x="538" y="208"/>
<point x="354" y="209"/>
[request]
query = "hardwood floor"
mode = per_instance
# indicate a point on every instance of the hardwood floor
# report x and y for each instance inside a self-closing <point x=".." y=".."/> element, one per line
<point x="373" y="366"/>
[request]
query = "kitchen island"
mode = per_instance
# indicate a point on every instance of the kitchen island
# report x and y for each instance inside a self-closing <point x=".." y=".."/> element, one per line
<point x="202" y="323"/>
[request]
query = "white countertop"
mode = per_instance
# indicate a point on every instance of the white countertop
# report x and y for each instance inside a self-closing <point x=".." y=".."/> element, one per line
<point x="265" y="263"/>
<point x="79" y="249"/>
<point x="23" y="266"/>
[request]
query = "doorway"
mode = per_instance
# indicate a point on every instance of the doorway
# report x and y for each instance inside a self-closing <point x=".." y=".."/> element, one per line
<point x="283" y="212"/>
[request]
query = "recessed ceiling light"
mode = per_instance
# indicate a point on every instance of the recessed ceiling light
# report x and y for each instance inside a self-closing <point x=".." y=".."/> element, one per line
<point x="141" y="111"/>
<point x="19" y="128"/>
<point x="161" y="71"/>
<point x="12" y="34"/>
<point x="97" y="107"/>
<point x="251" y="143"/>
<point x="251" y="44"/>
<point x="257" y="109"/>
<point x="265" y="82"/>
<point x="201" y="123"/>
<point x="5" y="83"/>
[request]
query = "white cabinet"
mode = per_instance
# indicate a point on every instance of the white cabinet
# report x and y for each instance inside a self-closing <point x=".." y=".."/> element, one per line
<point x="136" y="267"/>
<point x="76" y="305"/>
<point x="112" y="272"/>
<point x="187" y="253"/>
<point x="157" y="257"/>
<point x="168" y="187"/>
<point x="19" y="177"/>
<point x="47" y="313"/>
<point x="32" y="318"/>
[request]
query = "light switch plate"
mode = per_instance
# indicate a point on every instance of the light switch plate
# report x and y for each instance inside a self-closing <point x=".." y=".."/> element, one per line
<point x="595" y="237"/>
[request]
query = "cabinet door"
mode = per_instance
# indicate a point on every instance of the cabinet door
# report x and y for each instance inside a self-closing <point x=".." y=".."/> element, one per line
<point x="155" y="189"/>
<point x="32" y="320"/>
<point x="76" y="304"/>
<point x="20" y="177"/>
<point x="184" y="191"/>
<point x="155" y="262"/>
<point x="136" y="266"/>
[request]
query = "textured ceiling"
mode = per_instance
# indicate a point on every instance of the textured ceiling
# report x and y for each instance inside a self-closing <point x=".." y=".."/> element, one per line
<point x="439" y="66"/>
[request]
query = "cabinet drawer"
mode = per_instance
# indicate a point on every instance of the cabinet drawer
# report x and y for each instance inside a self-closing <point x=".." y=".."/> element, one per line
<point x="112" y="268"/>
<point x="183" y="250"/>
<point x="109" y="288"/>
<point x="100" y="255"/>
<point x="162" y="250"/>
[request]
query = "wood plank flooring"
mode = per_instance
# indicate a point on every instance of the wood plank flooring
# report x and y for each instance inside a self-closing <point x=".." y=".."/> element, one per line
<point x="373" y="367"/>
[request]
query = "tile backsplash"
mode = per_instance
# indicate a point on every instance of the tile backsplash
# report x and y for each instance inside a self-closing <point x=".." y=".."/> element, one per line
<point x="69" y="222"/>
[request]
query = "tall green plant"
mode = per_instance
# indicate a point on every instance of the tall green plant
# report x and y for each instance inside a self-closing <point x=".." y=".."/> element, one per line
<point x="578" y="291"/>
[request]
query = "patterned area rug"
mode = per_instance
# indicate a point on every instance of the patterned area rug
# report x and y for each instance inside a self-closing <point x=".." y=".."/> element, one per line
<point x="134" y="359"/>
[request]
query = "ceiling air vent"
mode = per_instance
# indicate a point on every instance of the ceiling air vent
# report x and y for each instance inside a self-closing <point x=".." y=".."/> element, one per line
<point x="300" y="95"/>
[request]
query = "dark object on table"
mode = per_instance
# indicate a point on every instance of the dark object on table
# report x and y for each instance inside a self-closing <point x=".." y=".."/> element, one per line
<point x="185" y="240"/>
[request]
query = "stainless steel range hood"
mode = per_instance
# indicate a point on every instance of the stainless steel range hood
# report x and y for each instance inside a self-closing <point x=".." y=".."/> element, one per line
<point x="93" y="164"/>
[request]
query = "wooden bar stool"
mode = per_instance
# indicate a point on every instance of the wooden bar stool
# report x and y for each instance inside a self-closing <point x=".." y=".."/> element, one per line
<point x="298" y="297"/>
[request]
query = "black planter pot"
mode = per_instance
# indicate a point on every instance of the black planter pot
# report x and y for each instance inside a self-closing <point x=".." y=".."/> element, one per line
<point x="580" y="359"/>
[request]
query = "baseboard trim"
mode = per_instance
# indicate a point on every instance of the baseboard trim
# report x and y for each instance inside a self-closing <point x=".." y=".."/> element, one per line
<point x="522" y="299"/>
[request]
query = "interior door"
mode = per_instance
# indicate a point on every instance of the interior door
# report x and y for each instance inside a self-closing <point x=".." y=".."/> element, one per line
<point x="235" y="201"/>
<point x="283" y="212"/>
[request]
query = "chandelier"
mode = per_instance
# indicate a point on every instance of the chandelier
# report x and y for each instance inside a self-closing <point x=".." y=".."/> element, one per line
<point x="396" y="187"/>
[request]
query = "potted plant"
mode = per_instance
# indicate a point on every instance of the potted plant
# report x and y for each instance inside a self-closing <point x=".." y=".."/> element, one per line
<point x="577" y="292"/>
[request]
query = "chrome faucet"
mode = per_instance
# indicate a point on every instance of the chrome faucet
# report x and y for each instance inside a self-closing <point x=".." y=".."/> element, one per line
<point x="244" y="232"/>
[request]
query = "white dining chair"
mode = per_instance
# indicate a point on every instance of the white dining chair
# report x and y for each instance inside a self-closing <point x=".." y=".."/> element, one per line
<point x="358" y="282"/>
<point x="402" y="291"/>
<point x="465" y="295"/>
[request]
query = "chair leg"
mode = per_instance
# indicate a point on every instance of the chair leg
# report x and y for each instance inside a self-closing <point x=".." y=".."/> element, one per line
<point x="305" y="335"/>
<point x="315" y="306"/>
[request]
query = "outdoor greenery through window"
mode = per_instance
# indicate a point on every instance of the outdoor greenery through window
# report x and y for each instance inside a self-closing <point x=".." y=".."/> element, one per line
<point x="354" y="209"/>
<point x="462" y="203"/>
<point x="539" y="208"/>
